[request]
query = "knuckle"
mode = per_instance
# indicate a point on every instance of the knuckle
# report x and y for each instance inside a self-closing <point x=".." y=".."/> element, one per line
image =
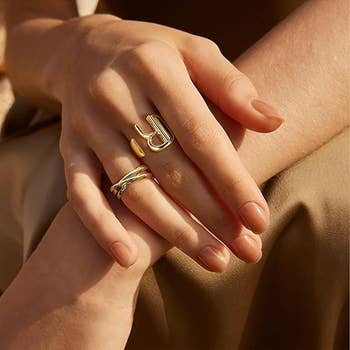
<point x="209" y="44"/>
<point x="197" y="43"/>
<point x="199" y="134"/>
<point x="95" y="86"/>
<point x="173" y="177"/>
<point x="101" y="89"/>
<point x="146" y="54"/>
<point x="196" y="130"/>
<point x="93" y="25"/>
<point x="181" y="237"/>
<point x="233" y="80"/>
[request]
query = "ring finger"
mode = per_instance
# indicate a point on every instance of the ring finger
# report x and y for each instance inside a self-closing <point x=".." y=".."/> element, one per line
<point x="178" y="175"/>
<point x="184" y="182"/>
<point x="202" y="138"/>
<point x="153" y="206"/>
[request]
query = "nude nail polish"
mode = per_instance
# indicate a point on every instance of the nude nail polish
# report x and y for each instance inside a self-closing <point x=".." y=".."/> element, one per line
<point x="121" y="253"/>
<point x="213" y="258"/>
<point x="267" y="111"/>
<point x="253" y="217"/>
<point x="246" y="248"/>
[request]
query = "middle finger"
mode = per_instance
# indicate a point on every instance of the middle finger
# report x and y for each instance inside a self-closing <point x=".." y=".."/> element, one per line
<point x="180" y="178"/>
<point x="206" y="143"/>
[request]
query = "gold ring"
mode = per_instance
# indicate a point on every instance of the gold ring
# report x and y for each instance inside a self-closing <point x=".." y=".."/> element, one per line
<point x="138" y="173"/>
<point x="160" y="131"/>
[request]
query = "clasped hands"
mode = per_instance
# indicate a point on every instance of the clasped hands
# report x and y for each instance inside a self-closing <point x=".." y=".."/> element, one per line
<point x="113" y="74"/>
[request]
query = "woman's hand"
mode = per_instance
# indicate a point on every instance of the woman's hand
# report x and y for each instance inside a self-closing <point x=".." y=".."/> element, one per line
<point x="111" y="75"/>
<point x="87" y="300"/>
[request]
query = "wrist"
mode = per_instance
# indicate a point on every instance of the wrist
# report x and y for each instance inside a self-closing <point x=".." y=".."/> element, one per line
<point x="89" y="320"/>
<point x="81" y="289"/>
<point x="78" y="270"/>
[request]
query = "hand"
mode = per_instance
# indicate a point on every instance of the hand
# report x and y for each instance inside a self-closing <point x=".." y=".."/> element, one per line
<point x="89" y="301"/>
<point x="113" y="73"/>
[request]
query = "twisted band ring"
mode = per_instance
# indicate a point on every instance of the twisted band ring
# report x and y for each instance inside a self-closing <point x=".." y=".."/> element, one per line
<point x="138" y="173"/>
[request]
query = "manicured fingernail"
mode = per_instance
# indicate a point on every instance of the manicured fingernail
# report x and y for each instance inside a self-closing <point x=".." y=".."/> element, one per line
<point x="122" y="254"/>
<point x="268" y="111"/>
<point x="253" y="217"/>
<point x="214" y="258"/>
<point x="246" y="248"/>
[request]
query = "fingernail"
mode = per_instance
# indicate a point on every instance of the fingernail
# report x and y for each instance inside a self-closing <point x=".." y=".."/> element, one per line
<point x="214" y="258"/>
<point x="122" y="254"/>
<point x="246" y="248"/>
<point x="268" y="111"/>
<point x="253" y="217"/>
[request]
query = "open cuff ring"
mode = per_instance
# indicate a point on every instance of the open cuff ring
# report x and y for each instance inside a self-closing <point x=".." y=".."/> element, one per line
<point x="157" y="140"/>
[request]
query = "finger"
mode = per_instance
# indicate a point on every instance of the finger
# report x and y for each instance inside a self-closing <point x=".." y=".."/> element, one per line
<point x="228" y="88"/>
<point x="83" y="188"/>
<point x="183" y="181"/>
<point x="154" y="207"/>
<point x="151" y="245"/>
<point x="246" y="245"/>
<point x="206" y="143"/>
<point x="172" y="168"/>
<point x="241" y="243"/>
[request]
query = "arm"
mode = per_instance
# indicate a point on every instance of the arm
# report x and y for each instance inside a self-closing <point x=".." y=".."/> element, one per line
<point x="85" y="63"/>
<point x="107" y="74"/>
<point x="69" y="294"/>
<point x="262" y="165"/>
<point x="302" y="67"/>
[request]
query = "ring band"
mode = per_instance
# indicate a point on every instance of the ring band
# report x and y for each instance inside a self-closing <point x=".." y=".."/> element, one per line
<point x="141" y="172"/>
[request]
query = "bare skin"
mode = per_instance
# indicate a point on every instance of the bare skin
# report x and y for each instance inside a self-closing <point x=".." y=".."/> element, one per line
<point x="283" y="68"/>
<point x="80" y="306"/>
<point x="149" y="67"/>
<point x="107" y="76"/>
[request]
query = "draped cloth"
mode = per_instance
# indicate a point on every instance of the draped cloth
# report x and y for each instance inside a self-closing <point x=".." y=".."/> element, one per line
<point x="295" y="298"/>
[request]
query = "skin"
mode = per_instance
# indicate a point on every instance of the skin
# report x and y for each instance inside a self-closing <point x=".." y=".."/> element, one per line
<point x="281" y="59"/>
<point x="200" y="172"/>
<point x="88" y="307"/>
